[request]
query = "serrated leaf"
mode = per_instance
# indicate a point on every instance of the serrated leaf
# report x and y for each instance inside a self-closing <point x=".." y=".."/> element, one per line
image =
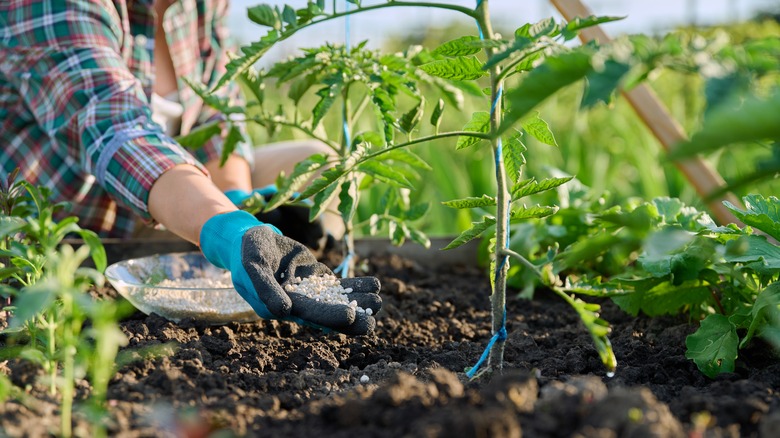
<point x="480" y="122"/>
<point x="539" y="129"/>
<point x="601" y="84"/>
<point x="664" y="298"/>
<point x="514" y="160"/>
<point x="417" y="211"/>
<point x="347" y="204"/>
<point x="301" y="173"/>
<point x="385" y="173"/>
<point x="264" y="15"/>
<point x="222" y="104"/>
<point x="535" y="212"/>
<point x="458" y="69"/>
<point x="598" y="328"/>
<point x="322" y="200"/>
<point x="419" y="237"/>
<point x="544" y="81"/>
<point x="463" y="46"/>
<point x="410" y="119"/>
<point x="233" y="138"/>
<point x="571" y="29"/>
<point x="198" y="137"/>
<point x="759" y="255"/>
<point x="528" y="188"/>
<point x="328" y="178"/>
<point x="385" y="105"/>
<point x="299" y="87"/>
<point x="713" y="347"/>
<point x="472" y="233"/>
<point x="250" y="55"/>
<point x="471" y="202"/>
<point x="544" y="27"/>
<point x="760" y="212"/>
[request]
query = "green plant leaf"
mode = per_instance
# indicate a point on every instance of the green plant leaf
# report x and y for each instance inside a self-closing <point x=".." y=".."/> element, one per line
<point x="598" y="328"/>
<point x="197" y="137"/>
<point x="327" y="95"/>
<point x="472" y="233"/>
<point x="289" y="16"/>
<point x="463" y="46"/>
<point x="322" y="200"/>
<point x="301" y="173"/>
<point x="713" y="347"/>
<point x="347" y="205"/>
<point x="520" y="43"/>
<point x="514" y="160"/>
<point x="383" y="172"/>
<point x="752" y="121"/>
<point x="542" y="82"/>
<point x="544" y="27"/>
<point x="760" y="212"/>
<point x="405" y="156"/>
<point x="573" y="27"/>
<point x="410" y="119"/>
<point x="480" y="122"/>
<point x="233" y="138"/>
<point x="96" y="249"/>
<point x="602" y="83"/>
<point x="471" y="202"/>
<point x="663" y="298"/>
<point x="250" y="55"/>
<point x="265" y="15"/>
<point x="385" y="104"/>
<point x="33" y="300"/>
<point x="436" y="115"/>
<point x="532" y="187"/>
<point x="457" y="69"/>
<point x="539" y="129"/>
<point x="419" y="237"/>
<point x="535" y="212"/>
<point x="328" y="178"/>
<point x="765" y="310"/>
<point x="222" y="104"/>
<point x="757" y="253"/>
<point x="417" y="211"/>
<point x="10" y="225"/>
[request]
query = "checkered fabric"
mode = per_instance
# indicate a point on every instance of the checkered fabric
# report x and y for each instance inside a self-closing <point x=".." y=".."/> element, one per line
<point x="75" y="85"/>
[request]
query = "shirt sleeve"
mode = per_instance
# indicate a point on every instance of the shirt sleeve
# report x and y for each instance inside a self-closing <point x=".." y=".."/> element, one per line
<point x="219" y="45"/>
<point x="79" y="90"/>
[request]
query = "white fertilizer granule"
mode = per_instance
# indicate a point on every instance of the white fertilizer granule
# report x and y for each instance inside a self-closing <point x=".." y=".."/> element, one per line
<point x="325" y="288"/>
<point x="364" y="379"/>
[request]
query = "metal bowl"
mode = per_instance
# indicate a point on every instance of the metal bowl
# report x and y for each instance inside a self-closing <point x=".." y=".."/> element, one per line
<point x="178" y="286"/>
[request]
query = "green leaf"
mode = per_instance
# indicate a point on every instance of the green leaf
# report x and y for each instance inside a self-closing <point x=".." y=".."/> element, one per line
<point x="459" y="69"/>
<point x="327" y="96"/>
<point x="385" y="104"/>
<point x="198" y="137"/>
<point x="328" y="178"/>
<point x="385" y="173"/>
<point x="471" y="202"/>
<point x="542" y="82"/>
<point x="96" y="249"/>
<point x="544" y="27"/>
<point x="713" y="347"/>
<point x="763" y="312"/>
<point x="762" y="213"/>
<point x="409" y="120"/>
<point x="602" y="83"/>
<point x="573" y="27"/>
<point x="233" y="138"/>
<point x="300" y="174"/>
<point x="480" y="122"/>
<point x="265" y="15"/>
<point x="33" y="300"/>
<point x="405" y="156"/>
<point x="528" y="188"/>
<point x="289" y="16"/>
<point x="539" y="129"/>
<point x="322" y="200"/>
<point x="476" y="229"/>
<point x="417" y="211"/>
<point x="222" y="104"/>
<point x="758" y="254"/>
<point x="463" y="46"/>
<point x="664" y="298"/>
<point x="535" y="212"/>
<point x="10" y="225"/>
<point x="514" y="160"/>
<point x="299" y="88"/>
<point x="419" y="237"/>
<point x="598" y="328"/>
<point x="753" y="121"/>
<point x="436" y="115"/>
<point x="250" y="55"/>
<point x="347" y="204"/>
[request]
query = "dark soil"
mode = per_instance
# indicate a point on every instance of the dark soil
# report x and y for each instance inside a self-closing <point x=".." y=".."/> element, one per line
<point x="278" y="379"/>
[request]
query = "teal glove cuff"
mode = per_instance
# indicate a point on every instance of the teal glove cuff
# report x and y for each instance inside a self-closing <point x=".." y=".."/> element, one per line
<point x="238" y="196"/>
<point x="219" y="233"/>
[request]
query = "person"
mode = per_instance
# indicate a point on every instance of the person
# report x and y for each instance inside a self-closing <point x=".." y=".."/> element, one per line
<point x="91" y="94"/>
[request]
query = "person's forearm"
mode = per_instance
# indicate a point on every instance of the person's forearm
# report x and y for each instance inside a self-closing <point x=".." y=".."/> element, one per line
<point x="183" y="199"/>
<point x="234" y="175"/>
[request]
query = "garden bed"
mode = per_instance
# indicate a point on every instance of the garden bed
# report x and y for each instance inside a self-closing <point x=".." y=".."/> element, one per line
<point x="279" y="379"/>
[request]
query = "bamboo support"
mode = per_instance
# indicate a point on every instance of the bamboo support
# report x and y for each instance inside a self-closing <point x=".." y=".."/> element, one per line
<point x="666" y="129"/>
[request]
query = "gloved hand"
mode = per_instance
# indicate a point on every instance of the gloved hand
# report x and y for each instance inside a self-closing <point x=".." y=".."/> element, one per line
<point x="262" y="262"/>
<point x="291" y="220"/>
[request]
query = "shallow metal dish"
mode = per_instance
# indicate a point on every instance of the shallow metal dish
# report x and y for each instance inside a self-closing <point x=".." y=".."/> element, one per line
<point x="139" y="281"/>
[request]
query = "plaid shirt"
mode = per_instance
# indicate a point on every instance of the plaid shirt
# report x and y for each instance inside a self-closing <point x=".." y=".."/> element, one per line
<point x="75" y="84"/>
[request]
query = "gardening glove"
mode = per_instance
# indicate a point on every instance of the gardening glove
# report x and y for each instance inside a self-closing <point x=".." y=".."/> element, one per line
<point x="292" y="220"/>
<point x="262" y="262"/>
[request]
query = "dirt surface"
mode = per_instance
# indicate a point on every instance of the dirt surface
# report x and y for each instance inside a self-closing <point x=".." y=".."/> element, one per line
<point x="278" y="379"/>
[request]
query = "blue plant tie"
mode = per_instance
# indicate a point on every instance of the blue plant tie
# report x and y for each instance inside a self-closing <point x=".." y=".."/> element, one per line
<point x="343" y="267"/>
<point x="501" y="336"/>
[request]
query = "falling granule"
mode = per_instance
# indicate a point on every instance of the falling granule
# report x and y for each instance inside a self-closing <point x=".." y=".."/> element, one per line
<point x="325" y="289"/>
<point x="364" y="379"/>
